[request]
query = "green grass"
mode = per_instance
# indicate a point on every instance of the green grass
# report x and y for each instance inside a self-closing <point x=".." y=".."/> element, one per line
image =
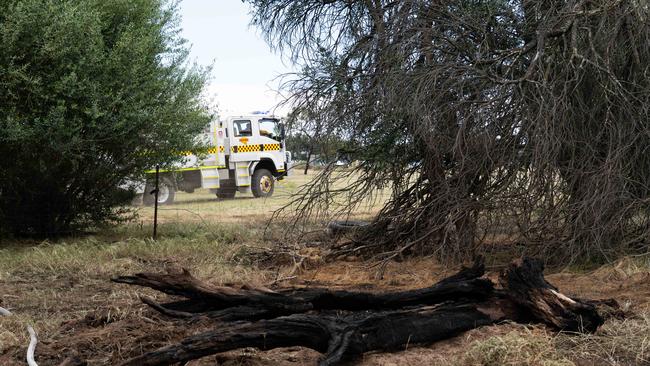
<point x="204" y="207"/>
<point x="188" y="245"/>
<point x="198" y="231"/>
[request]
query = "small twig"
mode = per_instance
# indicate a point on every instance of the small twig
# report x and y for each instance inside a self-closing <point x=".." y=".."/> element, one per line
<point x="163" y="310"/>
<point x="282" y="279"/>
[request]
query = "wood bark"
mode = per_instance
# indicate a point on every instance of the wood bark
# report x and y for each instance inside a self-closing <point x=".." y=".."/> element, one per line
<point x="223" y="301"/>
<point x="343" y="324"/>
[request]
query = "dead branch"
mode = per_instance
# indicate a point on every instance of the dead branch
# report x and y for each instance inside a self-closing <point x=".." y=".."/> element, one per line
<point x="344" y="324"/>
<point x="32" y="346"/>
<point x="201" y="298"/>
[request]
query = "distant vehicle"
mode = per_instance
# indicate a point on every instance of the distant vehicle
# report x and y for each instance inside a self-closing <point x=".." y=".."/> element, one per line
<point x="246" y="153"/>
<point x="341" y="163"/>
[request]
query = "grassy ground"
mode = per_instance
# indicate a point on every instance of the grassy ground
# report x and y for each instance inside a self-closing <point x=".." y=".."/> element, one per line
<point x="63" y="289"/>
<point x="203" y="206"/>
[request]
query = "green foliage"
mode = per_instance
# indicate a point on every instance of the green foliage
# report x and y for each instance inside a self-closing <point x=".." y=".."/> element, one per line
<point x="306" y="142"/>
<point x="92" y="93"/>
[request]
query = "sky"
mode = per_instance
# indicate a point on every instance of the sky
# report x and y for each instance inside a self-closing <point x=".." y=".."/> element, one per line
<point x="245" y="70"/>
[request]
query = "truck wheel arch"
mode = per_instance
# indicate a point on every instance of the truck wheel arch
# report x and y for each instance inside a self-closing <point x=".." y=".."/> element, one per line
<point x="264" y="163"/>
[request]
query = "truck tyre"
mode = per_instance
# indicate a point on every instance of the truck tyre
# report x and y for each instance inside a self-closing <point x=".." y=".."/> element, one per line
<point x="262" y="183"/>
<point x="166" y="192"/>
<point x="337" y="228"/>
<point x="225" y="193"/>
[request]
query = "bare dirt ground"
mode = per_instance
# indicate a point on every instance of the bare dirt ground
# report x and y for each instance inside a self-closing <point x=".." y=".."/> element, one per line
<point x="63" y="289"/>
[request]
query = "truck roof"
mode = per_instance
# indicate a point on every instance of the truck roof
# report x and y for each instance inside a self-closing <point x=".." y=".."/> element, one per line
<point x="251" y="116"/>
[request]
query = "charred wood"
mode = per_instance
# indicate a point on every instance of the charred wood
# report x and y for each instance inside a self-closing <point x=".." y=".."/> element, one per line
<point x="344" y="324"/>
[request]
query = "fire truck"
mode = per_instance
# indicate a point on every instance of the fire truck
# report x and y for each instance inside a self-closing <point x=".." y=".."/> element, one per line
<point x="245" y="154"/>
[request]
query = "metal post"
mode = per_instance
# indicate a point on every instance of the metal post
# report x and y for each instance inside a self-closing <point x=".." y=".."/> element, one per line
<point x="155" y="206"/>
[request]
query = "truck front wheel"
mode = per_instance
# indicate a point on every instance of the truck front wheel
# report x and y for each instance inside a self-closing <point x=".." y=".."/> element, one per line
<point x="263" y="183"/>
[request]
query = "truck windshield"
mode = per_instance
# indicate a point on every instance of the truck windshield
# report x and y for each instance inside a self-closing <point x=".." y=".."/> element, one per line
<point x="270" y="128"/>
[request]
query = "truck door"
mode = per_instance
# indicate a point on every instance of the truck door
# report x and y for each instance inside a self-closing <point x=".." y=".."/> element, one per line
<point x="243" y="144"/>
<point x="270" y="140"/>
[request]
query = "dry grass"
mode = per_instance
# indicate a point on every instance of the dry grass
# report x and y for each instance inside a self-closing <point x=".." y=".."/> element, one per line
<point x="63" y="289"/>
<point x="202" y="206"/>
<point x="516" y="348"/>
<point x="54" y="284"/>
<point x="624" y="268"/>
<point x="51" y="284"/>
<point x="617" y="343"/>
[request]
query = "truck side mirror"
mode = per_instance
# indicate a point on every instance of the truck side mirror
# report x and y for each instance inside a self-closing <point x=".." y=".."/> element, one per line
<point x="282" y="132"/>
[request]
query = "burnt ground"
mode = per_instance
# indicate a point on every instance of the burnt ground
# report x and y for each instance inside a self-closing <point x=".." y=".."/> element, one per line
<point x="104" y="323"/>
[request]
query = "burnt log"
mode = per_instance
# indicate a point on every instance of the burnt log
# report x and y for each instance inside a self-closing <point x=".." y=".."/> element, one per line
<point x="335" y="336"/>
<point x="343" y="324"/>
<point x="202" y="297"/>
<point x="540" y="301"/>
<point x="227" y="302"/>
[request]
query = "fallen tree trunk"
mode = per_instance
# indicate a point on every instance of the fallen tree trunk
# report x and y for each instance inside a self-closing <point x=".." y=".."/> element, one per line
<point x="229" y="303"/>
<point x="343" y="324"/>
<point x="333" y="335"/>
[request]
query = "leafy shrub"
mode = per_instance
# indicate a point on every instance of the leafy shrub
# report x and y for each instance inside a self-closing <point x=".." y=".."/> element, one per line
<point x="92" y="93"/>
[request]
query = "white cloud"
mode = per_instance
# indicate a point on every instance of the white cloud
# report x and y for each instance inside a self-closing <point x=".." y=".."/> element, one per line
<point x="243" y="98"/>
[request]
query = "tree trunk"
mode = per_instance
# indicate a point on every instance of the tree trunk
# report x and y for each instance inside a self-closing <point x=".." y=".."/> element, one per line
<point x="309" y="153"/>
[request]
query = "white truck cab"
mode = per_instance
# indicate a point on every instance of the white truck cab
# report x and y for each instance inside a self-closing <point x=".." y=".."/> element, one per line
<point x="245" y="154"/>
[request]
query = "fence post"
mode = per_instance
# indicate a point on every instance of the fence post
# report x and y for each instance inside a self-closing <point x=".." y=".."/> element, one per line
<point x="155" y="205"/>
